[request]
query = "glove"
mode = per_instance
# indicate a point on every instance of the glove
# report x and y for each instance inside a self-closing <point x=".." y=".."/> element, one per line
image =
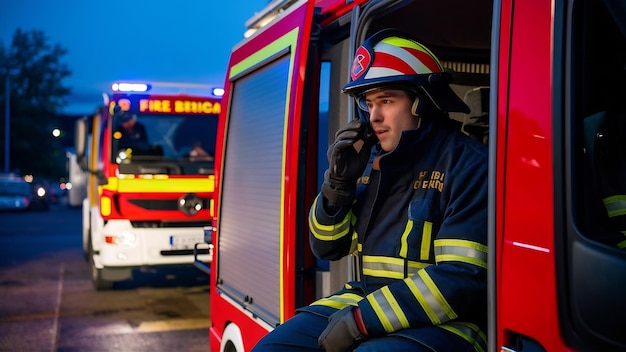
<point x="345" y="330"/>
<point x="347" y="158"/>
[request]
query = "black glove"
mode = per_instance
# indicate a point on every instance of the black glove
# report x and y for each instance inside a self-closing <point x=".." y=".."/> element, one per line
<point x="347" y="158"/>
<point x="342" y="331"/>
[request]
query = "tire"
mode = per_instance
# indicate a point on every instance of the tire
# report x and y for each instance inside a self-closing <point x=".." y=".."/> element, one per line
<point x="98" y="282"/>
<point x="230" y="347"/>
<point x="87" y="249"/>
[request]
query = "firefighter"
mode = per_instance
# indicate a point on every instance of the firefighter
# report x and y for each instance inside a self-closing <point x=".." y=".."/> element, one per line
<point x="129" y="133"/>
<point x="406" y="192"/>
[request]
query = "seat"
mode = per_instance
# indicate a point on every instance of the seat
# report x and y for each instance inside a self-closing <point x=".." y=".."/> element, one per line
<point x="605" y="168"/>
<point x="476" y="123"/>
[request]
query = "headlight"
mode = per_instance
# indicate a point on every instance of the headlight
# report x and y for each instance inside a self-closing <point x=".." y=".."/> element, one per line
<point x="41" y="192"/>
<point x="190" y="204"/>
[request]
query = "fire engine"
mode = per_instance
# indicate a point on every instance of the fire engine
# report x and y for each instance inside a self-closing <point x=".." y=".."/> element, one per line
<point x="545" y="81"/>
<point x="148" y="200"/>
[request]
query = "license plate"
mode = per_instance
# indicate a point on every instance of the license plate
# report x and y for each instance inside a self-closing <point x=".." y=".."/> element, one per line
<point x="179" y="241"/>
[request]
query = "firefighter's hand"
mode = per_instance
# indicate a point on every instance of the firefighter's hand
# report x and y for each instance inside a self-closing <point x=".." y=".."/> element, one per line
<point x="343" y="332"/>
<point x="347" y="158"/>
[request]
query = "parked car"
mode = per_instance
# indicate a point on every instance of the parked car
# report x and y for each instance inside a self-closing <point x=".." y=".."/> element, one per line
<point x="17" y="194"/>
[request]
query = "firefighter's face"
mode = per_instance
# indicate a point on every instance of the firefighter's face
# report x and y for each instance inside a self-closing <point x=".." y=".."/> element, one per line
<point x="128" y="124"/>
<point x="390" y="115"/>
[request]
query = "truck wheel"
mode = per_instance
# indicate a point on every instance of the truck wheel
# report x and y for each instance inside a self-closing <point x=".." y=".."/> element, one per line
<point x="87" y="249"/>
<point x="98" y="282"/>
<point x="230" y="347"/>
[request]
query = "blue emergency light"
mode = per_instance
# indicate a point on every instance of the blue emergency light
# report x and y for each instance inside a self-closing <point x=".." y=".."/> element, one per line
<point x="130" y="87"/>
<point x="218" y="92"/>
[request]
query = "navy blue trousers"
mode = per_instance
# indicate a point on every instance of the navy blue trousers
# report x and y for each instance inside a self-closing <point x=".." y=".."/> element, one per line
<point x="300" y="333"/>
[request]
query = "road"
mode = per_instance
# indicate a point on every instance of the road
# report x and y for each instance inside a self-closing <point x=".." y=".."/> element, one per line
<point x="47" y="301"/>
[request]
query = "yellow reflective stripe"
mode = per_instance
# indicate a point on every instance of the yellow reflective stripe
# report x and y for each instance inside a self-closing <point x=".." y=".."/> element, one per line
<point x="396" y="44"/>
<point x="379" y="266"/>
<point x="469" y="332"/>
<point x="461" y="251"/>
<point x="383" y="273"/>
<point x="286" y="41"/>
<point x="427" y="231"/>
<point x="389" y="267"/>
<point x="416" y="266"/>
<point x="622" y="244"/>
<point x="394" y="307"/>
<point x="384" y="260"/>
<point x="355" y="242"/>
<point x="328" y="232"/>
<point x="426" y="238"/>
<point x="430" y="298"/>
<point x="404" y="243"/>
<point x="105" y="206"/>
<point x="159" y="183"/>
<point x="442" y="305"/>
<point x="328" y="303"/>
<point x="419" y="296"/>
<point x="615" y="205"/>
<point x="388" y="310"/>
<point x="339" y="301"/>
<point x="378" y="310"/>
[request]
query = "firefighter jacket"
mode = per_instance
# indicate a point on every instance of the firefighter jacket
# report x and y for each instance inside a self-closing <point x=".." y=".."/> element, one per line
<point x="419" y="229"/>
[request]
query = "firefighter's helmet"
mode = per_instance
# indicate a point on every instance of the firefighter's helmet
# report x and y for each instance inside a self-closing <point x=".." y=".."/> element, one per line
<point x="391" y="58"/>
<point x="127" y="116"/>
<point x="122" y="115"/>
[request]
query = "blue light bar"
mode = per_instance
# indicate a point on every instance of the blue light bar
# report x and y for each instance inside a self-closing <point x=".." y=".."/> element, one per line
<point x="218" y="92"/>
<point x="130" y="87"/>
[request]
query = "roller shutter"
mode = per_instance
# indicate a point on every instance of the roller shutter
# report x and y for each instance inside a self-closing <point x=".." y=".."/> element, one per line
<point x="250" y="218"/>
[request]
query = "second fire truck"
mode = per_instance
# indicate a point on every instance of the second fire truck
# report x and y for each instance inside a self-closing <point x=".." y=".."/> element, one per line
<point x="147" y="202"/>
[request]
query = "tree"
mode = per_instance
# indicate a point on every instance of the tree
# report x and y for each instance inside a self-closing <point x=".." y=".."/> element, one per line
<point x="37" y="93"/>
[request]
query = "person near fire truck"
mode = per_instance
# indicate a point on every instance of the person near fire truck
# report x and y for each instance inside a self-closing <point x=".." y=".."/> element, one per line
<point x="406" y="192"/>
<point x="130" y="133"/>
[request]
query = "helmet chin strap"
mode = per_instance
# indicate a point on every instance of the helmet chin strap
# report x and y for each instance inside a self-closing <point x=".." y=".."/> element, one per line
<point x="414" y="107"/>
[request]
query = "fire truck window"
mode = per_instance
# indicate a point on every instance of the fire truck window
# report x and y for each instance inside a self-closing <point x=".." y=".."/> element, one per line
<point x="195" y="134"/>
<point x="322" y="130"/>
<point x="599" y="90"/>
<point x="322" y="162"/>
<point x="476" y="123"/>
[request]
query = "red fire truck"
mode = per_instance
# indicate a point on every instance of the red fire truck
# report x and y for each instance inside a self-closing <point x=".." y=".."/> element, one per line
<point x="545" y="81"/>
<point x="148" y="199"/>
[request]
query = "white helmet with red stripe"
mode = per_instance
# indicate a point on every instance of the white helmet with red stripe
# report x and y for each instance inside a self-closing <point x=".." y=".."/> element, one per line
<point x="392" y="58"/>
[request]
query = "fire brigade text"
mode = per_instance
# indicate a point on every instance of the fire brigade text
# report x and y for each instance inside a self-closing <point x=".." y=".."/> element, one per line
<point x="434" y="181"/>
<point x="179" y="106"/>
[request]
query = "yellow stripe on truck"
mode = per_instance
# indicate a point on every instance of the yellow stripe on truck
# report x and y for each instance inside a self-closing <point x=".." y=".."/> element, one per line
<point x="160" y="184"/>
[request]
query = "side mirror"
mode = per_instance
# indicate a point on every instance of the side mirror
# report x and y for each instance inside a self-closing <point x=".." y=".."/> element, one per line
<point x="80" y="142"/>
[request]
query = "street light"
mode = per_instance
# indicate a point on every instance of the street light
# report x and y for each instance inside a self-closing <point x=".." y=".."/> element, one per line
<point x="7" y="114"/>
<point x="7" y="117"/>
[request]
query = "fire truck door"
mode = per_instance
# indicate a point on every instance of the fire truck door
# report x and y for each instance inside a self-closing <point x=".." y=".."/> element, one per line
<point x="260" y="217"/>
